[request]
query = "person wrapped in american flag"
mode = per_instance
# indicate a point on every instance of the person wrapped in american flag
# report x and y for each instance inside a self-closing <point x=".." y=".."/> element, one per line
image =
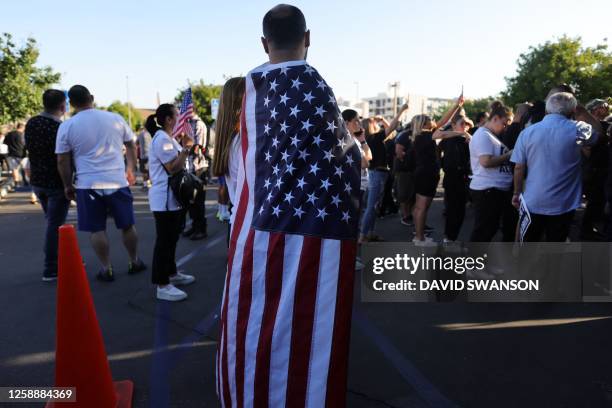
<point x="287" y="301"/>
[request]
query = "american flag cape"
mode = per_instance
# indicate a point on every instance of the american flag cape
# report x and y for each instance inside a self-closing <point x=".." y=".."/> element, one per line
<point x="183" y="124"/>
<point x="286" y="309"/>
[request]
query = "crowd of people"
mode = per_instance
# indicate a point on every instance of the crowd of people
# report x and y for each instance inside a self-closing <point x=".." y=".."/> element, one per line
<point x="564" y="145"/>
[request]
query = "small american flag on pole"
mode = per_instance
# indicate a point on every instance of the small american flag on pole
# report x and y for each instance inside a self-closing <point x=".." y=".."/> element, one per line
<point x="183" y="124"/>
<point x="286" y="311"/>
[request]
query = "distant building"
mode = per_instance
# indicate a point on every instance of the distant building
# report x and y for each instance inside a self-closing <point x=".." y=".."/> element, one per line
<point x="382" y="104"/>
<point x="361" y="107"/>
<point x="435" y="104"/>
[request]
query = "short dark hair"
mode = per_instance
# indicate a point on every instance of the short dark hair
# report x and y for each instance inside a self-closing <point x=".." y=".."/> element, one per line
<point x="284" y="26"/>
<point x="349" y="114"/>
<point x="480" y="116"/>
<point x="79" y="96"/>
<point x="53" y="99"/>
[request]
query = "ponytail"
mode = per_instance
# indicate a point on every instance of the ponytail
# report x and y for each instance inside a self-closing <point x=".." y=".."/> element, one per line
<point x="151" y="125"/>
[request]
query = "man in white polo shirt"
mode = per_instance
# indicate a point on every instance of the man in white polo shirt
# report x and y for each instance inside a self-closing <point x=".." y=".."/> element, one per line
<point x="93" y="139"/>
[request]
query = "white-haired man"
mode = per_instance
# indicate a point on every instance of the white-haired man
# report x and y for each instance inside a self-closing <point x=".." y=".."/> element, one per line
<point x="549" y="152"/>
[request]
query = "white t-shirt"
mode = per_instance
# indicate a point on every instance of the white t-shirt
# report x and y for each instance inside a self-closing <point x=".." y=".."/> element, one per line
<point x="485" y="143"/>
<point x="163" y="149"/>
<point x="231" y="178"/>
<point x="96" y="139"/>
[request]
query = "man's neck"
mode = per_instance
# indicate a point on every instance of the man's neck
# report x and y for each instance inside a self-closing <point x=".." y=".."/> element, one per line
<point x="279" y="56"/>
<point x="56" y="114"/>
<point x="84" y="108"/>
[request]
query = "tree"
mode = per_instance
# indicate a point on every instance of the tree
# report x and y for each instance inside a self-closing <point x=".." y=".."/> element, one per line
<point x="124" y="110"/>
<point x="544" y="66"/>
<point x="202" y="94"/>
<point x="21" y="82"/>
<point x="471" y="107"/>
<point x="474" y="106"/>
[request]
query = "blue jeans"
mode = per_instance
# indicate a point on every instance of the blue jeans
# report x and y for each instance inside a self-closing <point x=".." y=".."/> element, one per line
<point x="376" y="186"/>
<point x="55" y="206"/>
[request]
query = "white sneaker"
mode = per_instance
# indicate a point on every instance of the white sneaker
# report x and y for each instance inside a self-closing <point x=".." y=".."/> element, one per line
<point x="225" y="214"/>
<point x="170" y="293"/>
<point x="181" y="279"/>
<point x="427" y="242"/>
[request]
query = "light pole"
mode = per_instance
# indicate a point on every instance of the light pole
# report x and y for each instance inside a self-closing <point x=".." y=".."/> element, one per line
<point x="395" y="86"/>
<point x="127" y="89"/>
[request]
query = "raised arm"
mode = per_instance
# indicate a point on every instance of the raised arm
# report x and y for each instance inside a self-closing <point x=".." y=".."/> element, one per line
<point x="390" y="127"/>
<point x="448" y="115"/>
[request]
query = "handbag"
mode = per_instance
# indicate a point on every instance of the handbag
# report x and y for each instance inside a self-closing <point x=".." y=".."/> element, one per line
<point x="184" y="185"/>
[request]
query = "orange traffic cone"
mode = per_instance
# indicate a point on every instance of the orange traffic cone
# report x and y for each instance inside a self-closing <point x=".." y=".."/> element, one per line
<point x="80" y="358"/>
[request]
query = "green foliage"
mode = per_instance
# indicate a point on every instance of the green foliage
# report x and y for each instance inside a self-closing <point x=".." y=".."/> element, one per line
<point x="471" y="106"/>
<point x="202" y="94"/>
<point x="474" y="106"/>
<point x="21" y="82"/>
<point x="124" y="109"/>
<point x="544" y="66"/>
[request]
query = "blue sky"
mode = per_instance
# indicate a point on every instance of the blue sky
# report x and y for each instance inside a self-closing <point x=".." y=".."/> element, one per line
<point x="432" y="48"/>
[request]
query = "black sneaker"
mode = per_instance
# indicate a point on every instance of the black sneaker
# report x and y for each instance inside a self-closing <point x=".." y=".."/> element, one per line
<point x="135" y="267"/>
<point x="428" y="228"/>
<point x="189" y="232"/>
<point x="106" y="275"/>
<point x="198" y="235"/>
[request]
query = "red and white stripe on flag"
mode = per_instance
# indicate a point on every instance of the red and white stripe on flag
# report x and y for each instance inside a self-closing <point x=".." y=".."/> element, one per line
<point x="286" y="308"/>
<point x="183" y="124"/>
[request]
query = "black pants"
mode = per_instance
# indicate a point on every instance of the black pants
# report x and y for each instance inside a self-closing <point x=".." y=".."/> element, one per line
<point x="167" y="229"/>
<point x="387" y="203"/>
<point x="491" y="207"/>
<point x="455" y="198"/>
<point x="594" y="191"/>
<point x="553" y="228"/>
<point x="197" y="212"/>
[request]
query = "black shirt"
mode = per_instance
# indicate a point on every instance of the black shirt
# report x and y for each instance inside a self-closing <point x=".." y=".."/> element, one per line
<point x="455" y="155"/>
<point x="407" y="163"/>
<point x="511" y="134"/>
<point x="16" y="144"/>
<point x="376" y="142"/>
<point x="40" y="135"/>
<point x="426" y="159"/>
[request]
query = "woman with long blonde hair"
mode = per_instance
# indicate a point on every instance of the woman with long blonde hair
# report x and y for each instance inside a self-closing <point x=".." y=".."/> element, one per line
<point x="227" y="144"/>
<point x="427" y="168"/>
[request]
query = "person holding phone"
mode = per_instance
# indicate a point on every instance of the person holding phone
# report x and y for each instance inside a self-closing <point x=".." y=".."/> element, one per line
<point x="166" y="157"/>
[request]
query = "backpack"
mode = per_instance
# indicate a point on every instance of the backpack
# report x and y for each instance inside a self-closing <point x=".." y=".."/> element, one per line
<point x="456" y="155"/>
